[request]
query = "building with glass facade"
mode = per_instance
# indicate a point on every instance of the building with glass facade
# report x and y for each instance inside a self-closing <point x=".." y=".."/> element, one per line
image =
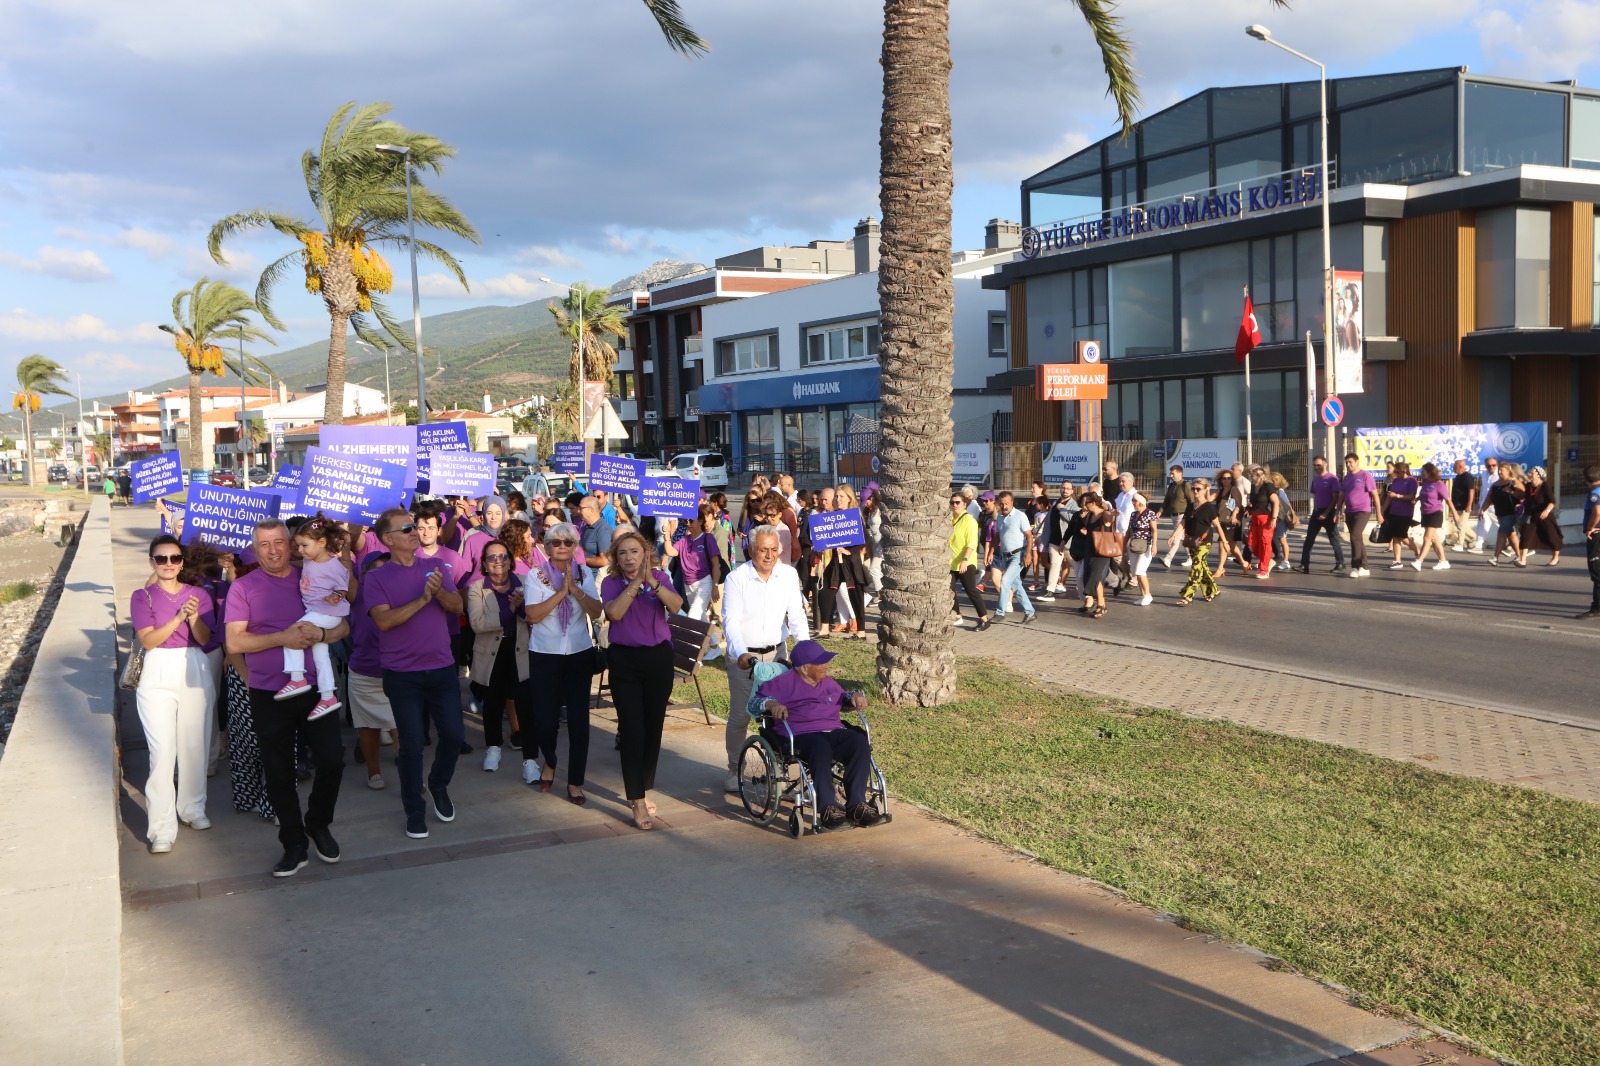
<point x="1466" y="201"/>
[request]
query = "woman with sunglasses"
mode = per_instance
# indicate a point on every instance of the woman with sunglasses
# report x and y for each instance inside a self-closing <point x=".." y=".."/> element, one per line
<point x="638" y="600"/>
<point x="964" y="559"/>
<point x="499" y="671"/>
<point x="172" y="621"/>
<point x="559" y="603"/>
<point x="1231" y="508"/>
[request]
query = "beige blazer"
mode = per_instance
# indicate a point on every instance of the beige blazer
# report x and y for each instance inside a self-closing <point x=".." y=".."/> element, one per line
<point x="484" y="613"/>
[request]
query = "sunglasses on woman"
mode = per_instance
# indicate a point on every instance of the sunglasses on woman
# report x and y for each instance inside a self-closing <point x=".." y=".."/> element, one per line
<point x="562" y="542"/>
<point x="495" y="558"/>
<point x="166" y="560"/>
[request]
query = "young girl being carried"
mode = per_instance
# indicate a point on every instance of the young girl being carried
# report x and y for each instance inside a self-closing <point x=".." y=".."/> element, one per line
<point x="324" y="591"/>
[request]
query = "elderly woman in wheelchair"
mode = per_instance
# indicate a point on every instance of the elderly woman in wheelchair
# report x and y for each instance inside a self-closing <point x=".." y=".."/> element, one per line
<point x="806" y="752"/>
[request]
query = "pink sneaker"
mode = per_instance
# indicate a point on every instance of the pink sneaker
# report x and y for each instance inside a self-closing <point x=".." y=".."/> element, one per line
<point x="292" y="689"/>
<point x="326" y="705"/>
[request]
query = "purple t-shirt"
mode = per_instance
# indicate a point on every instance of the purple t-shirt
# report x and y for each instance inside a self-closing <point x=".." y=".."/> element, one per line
<point x="812" y="708"/>
<point x="421" y="642"/>
<point x="268" y="604"/>
<point x="1322" y="489"/>
<point x="456" y="567"/>
<point x="154" y="606"/>
<point x="364" y="658"/>
<point x="318" y="581"/>
<point x="645" y="624"/>
<point x="219" y="595"/>
<point x="1358" y="490"/>
<point x="1402" y="486"/>
<point x="1433" y="495"/>
<point x="694" y="556"/>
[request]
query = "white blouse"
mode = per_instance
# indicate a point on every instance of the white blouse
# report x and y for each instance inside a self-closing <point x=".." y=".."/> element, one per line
<point x="548" y="638"/>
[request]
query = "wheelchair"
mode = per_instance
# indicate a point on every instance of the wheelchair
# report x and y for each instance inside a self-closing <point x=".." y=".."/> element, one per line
<point x="770" y="774"/>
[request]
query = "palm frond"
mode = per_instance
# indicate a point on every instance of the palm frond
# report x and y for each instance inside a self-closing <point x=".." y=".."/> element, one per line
<point x="398" y="331"/>
<point x="246" y="220"/>
<point x="269" y="278"/>
<point x="1116" y="54"/>
<point x="368" y="335"/>
<point x="680" y="36"/>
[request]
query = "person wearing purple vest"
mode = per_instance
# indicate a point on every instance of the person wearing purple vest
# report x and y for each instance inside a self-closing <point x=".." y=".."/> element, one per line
<point x="1326" y="495"/>
<point x="1360" y="504"/>
<point x="263" y="617"/>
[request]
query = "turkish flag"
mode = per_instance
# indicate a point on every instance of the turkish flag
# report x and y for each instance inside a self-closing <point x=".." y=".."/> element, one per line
<point x="1249" y="332"/>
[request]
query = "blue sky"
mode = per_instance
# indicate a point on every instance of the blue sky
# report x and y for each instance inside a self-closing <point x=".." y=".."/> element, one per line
<point x="587" y="150"/>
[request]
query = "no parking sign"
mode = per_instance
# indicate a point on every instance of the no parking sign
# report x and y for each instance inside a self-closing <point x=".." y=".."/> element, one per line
<point x="1332" y="411"/>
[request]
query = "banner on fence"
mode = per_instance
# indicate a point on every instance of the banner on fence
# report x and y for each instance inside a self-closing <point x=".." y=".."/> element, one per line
<point x="973" y="462"/>
<point x="669" y="497"/>
<point x="453" y="473"/>
<point x="1201" y="456"/>
<point x="836" y="529"/>
<point x="156" y="477"/>
<point x="1070" y="460"/>
<point x="1523" y="443"/>
<point x="381" y="444"/>
<point x="351" y="489"/>
<point x="568" y="457"/>
<point x="225" y="518"/>
<point x="615" y="474"/>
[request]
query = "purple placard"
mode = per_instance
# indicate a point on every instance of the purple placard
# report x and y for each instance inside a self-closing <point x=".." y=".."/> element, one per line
<point x="177" y="517"/>
<point x="156" y="477"/>
<point x="439" y="437"/>
<point x="615" y="474"/>
<point x="351" y="489"/>
<point x="568" y="458"/>
<point x="836" y="529"/>
<point x="669" y="497"/>
<point x="286" y="483"/>
<point x="380" y="444"/>
<point x="462" y="474"/>
<point x="225" y="517"/>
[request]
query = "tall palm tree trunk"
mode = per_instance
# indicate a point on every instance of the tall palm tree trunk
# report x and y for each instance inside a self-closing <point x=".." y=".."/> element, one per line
<point x="197" y="458"/>
<point x="916" y="295"/>
<point x="333" y="399"/>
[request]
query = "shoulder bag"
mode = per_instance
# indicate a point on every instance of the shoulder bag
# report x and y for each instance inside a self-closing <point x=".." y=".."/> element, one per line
<point x="133" y="669"/>
<point x="1108" y="543"/>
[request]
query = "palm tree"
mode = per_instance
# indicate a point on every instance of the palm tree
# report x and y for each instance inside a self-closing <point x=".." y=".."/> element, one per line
<point x="205" y="314"/>
<point x="585" y="318"/>
<point x="677" y="32"/>
<point x="359" y="194"/>
<point x="37" y="377"/>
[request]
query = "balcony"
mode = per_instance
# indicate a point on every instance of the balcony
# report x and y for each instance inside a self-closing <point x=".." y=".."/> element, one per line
<point x="624" y="360"/>
<point x="627" y="410"/>
<point x="693" y="348"/>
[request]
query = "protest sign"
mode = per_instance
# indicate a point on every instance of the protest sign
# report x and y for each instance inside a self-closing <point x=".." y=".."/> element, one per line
<point x="156" y="477"/>
<point x="177" y="518"/>
<point x="349" y="488"/>
<point x="568" y="458"/>
<point x="1070" y="460"/>
<point x="669" y="497"/>
<point x="836" y="529"/>
<point x="286" y="483"/>
<point x="381" y="444"/>
<point x="225" y="518"/>
<point x="461" y="474"/>
<point x="615" y="474"/>
<point x="438" y="437"/>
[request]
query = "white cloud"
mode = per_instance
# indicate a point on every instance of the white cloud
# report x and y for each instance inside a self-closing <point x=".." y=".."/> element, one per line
<point x="70" y="264"/>
<point x="1543" y="41"/>
<point x="547" y="258"/>
<point x="23" y="325"/>
<point x="513" y="286"/>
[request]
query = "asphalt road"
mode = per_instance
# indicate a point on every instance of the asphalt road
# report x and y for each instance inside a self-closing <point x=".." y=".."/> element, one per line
<point x="1499" y="637"/>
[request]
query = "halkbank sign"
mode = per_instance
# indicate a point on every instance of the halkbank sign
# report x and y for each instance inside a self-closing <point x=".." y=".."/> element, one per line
<point x="1213" y="205"/>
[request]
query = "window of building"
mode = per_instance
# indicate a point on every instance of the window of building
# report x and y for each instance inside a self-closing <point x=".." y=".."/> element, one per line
<point x="804" y="440"/>
<point x="1124" y="190"/>
<point x="1513" y="260"/>
<point x="1141" y="307"/>
<point x="1063" y="200"/>
<point x="1064" y="308"/>
<point x="1347" y="92"/>
<point x="1247" y="108"/>
<point x="1305" y="146"/>
<point x="747" y="354"/>
<point x="1173" y="175"/>
<point x="1411" y="138"/>
<point x="760" y="441"/>
<point x="1508" y="127"/>
<point x="1494" y="390"/>
<point x="1211" y="295"/>
<point x="999" y="342"/>
<point x="1272" y="287"/>
<point x="1243" y="159"/>
<point x="836" y="344"/>
<point x="1586" y="132"/>
<point x="1177" y="127"/>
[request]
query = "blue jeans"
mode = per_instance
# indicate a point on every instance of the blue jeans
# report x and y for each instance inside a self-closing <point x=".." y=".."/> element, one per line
<point x="1011" y="581"/>
<point x="413" y="694"/>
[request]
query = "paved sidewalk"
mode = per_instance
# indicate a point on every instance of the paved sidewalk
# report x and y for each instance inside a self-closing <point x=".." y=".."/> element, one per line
<point x="1106" y="658"/>
<point x="531" y="929"/>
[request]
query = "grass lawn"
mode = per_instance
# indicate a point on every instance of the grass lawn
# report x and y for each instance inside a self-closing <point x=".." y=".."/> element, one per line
<point x="1474" y="905"/>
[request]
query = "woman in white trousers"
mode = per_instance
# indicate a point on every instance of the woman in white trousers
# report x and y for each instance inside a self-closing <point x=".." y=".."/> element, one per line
<point x="176" y="697"/>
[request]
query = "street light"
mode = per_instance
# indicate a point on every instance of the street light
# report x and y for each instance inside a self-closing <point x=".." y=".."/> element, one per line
<point x="1261" y="33"/>
<point x="416" y="297"/>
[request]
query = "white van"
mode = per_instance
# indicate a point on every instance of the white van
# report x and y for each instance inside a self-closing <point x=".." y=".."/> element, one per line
<point x="708" y="468"/>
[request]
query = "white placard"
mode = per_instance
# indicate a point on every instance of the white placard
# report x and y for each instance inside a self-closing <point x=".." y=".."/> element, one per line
<point x="972" y="462"/>
<point x="1070" y="460"/>
<point x="1202" y="456"/>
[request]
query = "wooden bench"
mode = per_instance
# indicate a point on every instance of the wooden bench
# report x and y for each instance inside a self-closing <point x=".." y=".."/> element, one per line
<point x="689" y="640"/>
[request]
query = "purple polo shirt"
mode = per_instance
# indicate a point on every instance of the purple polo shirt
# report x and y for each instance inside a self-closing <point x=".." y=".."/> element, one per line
<point x="1402" y="486"/>
<point x="812" y="708"/>
<point x="645" y="624"/>
<point x="152" y="606"/>
<point x="1358" y="490"/>
<point x="364" y="659"/>
<point x="421" y="642"/>
<point x="1322" y="489"/>
<point x="1432" y="495"/>
<point x="218" y="590"/>
<point x="455" y="565"/>
<point x="268" y="604"/>
<point x="694" y="556"/>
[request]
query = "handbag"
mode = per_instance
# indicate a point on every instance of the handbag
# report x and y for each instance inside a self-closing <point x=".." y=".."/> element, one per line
<point x="133" y="669"/>
<point x="597" y="654"/>
<point x="1138" y="546"/>
<point x="1108" y="543"/>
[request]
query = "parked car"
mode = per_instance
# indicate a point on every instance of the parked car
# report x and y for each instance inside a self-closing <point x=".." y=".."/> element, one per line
<point x="707" y="467"/>
<point x="198" y="477"/>
<point x="260" y="475"/>
<point x="225" y="478"/>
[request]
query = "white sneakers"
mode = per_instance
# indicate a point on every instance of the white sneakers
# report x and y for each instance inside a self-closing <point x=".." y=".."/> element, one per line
<point x="375" y="781"/>
<point x="199" y="821"/>
<point x="530" y="771"/>
<point x="491" y="758"/>
<point x="1416" y="564"/>
<point x="1442" y="564"/>
<point x="1360" y="572"/>
<point x="1146" y="600"/>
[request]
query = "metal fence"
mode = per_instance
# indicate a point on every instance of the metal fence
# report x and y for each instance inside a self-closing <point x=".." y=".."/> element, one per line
<point x="1017" y="466"/>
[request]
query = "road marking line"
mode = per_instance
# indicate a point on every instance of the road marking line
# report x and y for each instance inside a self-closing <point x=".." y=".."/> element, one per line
<point x="1407" y="610"/>
<point x="1535" y="627"/>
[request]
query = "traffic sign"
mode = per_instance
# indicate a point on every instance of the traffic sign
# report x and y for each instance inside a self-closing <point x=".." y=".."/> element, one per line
<point x="1572" y="455"/>
<point x="1332" y="411"/>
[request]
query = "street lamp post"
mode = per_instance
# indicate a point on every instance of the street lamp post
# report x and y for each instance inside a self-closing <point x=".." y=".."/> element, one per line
<point x="1261" y="33"/>
<point x="244" y="437"/>
<point x="416" y="296"/>
<point x="578" y="371"/>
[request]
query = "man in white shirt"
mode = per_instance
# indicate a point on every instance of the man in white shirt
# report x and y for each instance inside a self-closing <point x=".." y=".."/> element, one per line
<point x="759" y="599"/>
<point x="1123" y="504"/>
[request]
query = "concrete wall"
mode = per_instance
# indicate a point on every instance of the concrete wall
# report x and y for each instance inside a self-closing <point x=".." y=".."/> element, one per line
<point x="60" y="886"/>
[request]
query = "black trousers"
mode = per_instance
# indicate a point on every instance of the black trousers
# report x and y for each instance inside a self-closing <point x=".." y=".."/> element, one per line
<point x="1322" y="522"/>
<point x="1592" y="550"/>
<point x="820" y="751"/>
<point x="555" y="681"/>
<point x="641" y="685"/>
<point x="503" y="685"/>
<point x="1356" y="523"/>
<point x="276" y="723"/>
<point x="969" y="581"/>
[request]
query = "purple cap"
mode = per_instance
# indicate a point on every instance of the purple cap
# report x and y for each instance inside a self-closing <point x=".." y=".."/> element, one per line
<point x="870" y="490"/>
<point x="987" y="496"/>
<point x="810" y="653"/>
